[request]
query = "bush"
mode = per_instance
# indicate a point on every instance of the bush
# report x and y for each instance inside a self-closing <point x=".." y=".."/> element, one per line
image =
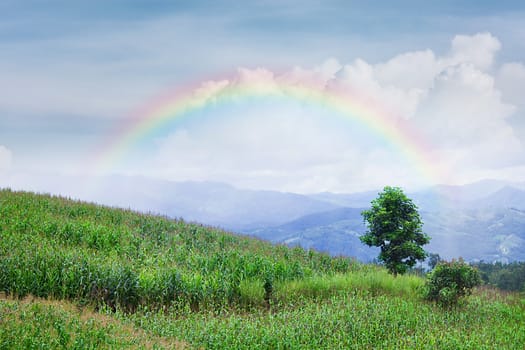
<point x="449" y="281"/>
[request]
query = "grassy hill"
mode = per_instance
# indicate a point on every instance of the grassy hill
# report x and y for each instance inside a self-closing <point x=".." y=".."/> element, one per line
<point x="78" y="275"/>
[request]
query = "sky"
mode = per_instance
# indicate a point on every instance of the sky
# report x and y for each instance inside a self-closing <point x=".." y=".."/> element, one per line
<point x="449" y="75"/>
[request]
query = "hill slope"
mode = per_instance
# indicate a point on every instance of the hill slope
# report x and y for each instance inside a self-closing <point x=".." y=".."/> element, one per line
<point x="452" y="214"/>
<point x="52" y="247"/>
<point x="161" y="283"/>
<point x="213" y="203"/>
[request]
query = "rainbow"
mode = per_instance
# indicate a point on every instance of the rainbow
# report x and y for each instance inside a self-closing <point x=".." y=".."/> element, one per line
<point x="177" y="106"/>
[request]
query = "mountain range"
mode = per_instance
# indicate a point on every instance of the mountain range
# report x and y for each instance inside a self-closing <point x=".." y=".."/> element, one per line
<point x="480" y="221"/>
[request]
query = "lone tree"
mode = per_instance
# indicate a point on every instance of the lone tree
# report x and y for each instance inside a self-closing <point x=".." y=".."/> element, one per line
<point x="394" y="225"/>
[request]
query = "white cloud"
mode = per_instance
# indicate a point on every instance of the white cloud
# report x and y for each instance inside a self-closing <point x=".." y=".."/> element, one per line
<point x="318" y="77"/>
<point x="361" y="78"/>
<point x="399" y="71"/>
<point x="458" y="100"/>
<point x="287" y="147"/>
<point x="478" y="49"/>
<point x="451" y="99"/>
<point x="469" y="118"/>
<point x="464" y="109"/>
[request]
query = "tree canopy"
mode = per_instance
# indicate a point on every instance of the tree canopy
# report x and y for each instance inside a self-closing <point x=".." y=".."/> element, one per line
<point x="394" y="225"/>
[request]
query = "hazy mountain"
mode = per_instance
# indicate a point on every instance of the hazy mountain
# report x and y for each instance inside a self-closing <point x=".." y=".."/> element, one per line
<point x="506" y="197"/>
<point x="350" y="200"/>
<point x="482" y="193"/>
<point x="211" y="203"/>
<point x="484" y="233"/>
<point x="474" y="234"/>
<point x="350" y="217"/>
<point x="475" y="194"/>
<point x="480" y="221"/>
<point x="336" y="232"/>
<point x="484" y="220"/>
<point x="472" y="191"/>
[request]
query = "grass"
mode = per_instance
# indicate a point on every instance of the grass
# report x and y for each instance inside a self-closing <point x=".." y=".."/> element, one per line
<point x="32" y="323"/>
<point x="52" y="247"/>
<point x="371" y="278"/>
<point x="356" y="320"/>
<point x="80" y="275"/>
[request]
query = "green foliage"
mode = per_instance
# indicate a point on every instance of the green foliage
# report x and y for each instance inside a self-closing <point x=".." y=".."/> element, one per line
<point x="53" y="247"/>
<point x="370" y="279"/>
<point x="155" y="281"/>
<point x="449" y="281"/>
<point x="395" y="226"/>
<point x="509" y="277"/>
<point x="350" y="320"/>
<point x="39" y="324"/>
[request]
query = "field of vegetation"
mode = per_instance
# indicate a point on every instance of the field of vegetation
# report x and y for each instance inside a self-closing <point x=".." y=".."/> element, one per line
<point x="78" y="275"/>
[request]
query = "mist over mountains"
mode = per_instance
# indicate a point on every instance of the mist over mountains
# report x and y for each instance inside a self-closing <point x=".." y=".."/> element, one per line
<point x="479" y="221"/>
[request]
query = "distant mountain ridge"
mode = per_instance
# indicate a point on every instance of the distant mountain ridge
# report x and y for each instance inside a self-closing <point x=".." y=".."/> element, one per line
<point x="336" y="231"/>
<point x="212" y="203"/>
<point x="508" y="196"/>
<point x="479" y="221"/>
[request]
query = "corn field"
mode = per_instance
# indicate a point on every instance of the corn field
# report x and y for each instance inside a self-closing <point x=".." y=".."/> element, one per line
<point x="188" y="285"/>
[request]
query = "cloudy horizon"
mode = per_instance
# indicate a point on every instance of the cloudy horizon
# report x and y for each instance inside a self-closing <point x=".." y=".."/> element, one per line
<point x="73" y="75"/>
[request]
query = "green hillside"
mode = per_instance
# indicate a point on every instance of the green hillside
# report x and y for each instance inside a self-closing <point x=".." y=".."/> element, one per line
<point x="79" y="275"/>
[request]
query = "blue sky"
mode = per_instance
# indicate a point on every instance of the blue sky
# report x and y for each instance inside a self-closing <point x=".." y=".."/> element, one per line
<point x="73" y="70"/>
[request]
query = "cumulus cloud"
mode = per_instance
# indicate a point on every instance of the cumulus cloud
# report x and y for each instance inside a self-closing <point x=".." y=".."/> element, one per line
<point x="464" y="114"/>
<point x="362" y="77"/>
<point x="399" y="71"/>
<point x="319" y="76"/>
<point x="455" y="101"/>
<point x="286" y="147"/>
<point x="478" y="49"/>
<point x="464" y="106"/>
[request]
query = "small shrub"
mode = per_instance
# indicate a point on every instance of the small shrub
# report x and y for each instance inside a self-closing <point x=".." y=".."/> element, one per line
<point x="449" y="281"/>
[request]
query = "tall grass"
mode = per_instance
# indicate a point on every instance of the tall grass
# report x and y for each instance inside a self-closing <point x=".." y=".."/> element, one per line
<point x="349" y="320"/>
<point x="44" y="324"/>
<point x="372" y="279"/>
<point x="212" y="289"/>
<point x="53" y="247"/>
